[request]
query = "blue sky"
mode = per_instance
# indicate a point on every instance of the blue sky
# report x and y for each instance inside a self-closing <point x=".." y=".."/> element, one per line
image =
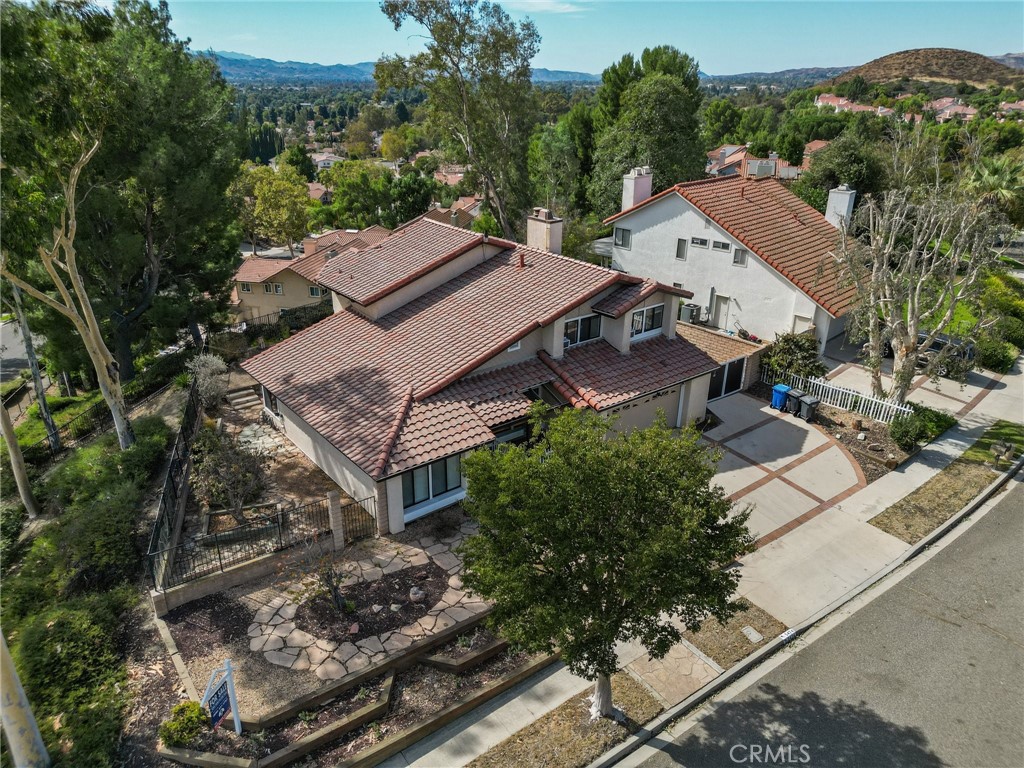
<point x="585" y="35"/>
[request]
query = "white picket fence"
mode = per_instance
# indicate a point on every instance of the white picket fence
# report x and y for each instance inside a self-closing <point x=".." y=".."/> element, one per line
<point x="840" y="397"/>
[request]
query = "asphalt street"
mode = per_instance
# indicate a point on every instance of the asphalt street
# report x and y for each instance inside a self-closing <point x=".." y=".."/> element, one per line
<point x="12" y="351"/>
<point x="930" y="673"/>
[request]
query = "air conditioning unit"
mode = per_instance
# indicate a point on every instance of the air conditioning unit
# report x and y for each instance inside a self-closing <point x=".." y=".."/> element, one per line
<point x="690" y="313"/>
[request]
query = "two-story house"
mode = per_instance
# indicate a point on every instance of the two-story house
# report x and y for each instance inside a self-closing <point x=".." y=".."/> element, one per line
<point x="441" y="340"/>
<point x="755" y="256"/>
<point x="265" y="285"/>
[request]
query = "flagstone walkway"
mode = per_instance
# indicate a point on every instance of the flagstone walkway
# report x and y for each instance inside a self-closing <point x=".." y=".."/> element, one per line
<point x="274" y="634"/>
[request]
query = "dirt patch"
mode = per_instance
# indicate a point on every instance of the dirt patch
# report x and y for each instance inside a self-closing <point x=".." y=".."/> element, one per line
<point x="256" y="744"/>
<point x="466" y="643"/>
<point x="418" y="693"/>
<point x="915" y="516"/>
<point x="206" y="623"/>
<point x="168" y="405"/>
<point x="370" y="603"/>
<point x="726" y="643"/>
<point x="154" y="687"/>
<point x="566" y="738"/>
<point x="439" y="525"/>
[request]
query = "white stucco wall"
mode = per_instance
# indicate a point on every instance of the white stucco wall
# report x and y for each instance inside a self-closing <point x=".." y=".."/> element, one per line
<point x="338" y="467"/>
<point x="760" y="299"/>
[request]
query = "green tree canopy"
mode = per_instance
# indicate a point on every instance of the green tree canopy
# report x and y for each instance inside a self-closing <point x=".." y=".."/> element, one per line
<point x="589" y="538"/>
<point x="476" y="73"/>
<point x="281" y="200"/>
<point x="298" y="158"/>
<point x="658" y="127"/>
<point x="847" y="160"/>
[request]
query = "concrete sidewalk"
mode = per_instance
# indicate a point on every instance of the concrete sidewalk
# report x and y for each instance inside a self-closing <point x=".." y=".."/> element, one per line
<point x="792" y="577"/>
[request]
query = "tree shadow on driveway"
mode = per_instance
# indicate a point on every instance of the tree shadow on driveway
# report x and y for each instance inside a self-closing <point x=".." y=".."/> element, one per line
<point x="775" y="728"/>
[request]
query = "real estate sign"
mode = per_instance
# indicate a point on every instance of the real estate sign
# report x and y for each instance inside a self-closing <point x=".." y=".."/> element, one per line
<point x="220" y="697"/>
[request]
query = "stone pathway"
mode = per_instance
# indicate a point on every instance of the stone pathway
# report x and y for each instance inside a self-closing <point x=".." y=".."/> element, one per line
<point x="274" y="634"/>
<point x="266" y="440"/>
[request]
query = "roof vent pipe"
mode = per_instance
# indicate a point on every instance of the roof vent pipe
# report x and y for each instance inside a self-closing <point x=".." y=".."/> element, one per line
<point x="522" y="260"/>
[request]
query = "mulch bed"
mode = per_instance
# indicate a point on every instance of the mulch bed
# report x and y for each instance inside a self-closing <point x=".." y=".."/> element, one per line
<point x="214" y="621"/>
<point x="418" y="693"/>
<point x="726" y="643"/>
<point x="466" y="643"/>
<point x="320" y="618"/>
<point x="566" y="738"/>
<point x="253" y="744"/>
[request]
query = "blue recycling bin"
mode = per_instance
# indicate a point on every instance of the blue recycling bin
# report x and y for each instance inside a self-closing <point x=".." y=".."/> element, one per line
<point x="779" y="392"/>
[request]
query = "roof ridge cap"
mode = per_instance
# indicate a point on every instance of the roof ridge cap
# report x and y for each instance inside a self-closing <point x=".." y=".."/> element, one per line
<point x="581" y="393"/>
<point x="392" y="436"/>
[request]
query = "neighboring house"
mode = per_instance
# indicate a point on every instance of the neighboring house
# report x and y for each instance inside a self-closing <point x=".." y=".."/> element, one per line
<point x="950" y="108"/>
<point x="319" y="193"/>
<point x="471" y="204"/>
<point x="736" y="160"/>
<point x="267" y="285"/>
<point x="325" y="159"/>
<point x="443" y="338"/>
<point x="755" y="256"/>
<point x="457" y="217"/>
<point x="450" y="174"/>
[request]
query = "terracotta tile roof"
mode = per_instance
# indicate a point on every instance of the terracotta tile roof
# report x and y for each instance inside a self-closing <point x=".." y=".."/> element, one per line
<point x="721" y="347"/>
<point x="316" y="190"/>
<point x="349" y="377"/>
<point x="340" y="239"/>
<point x="600" y="376"/>
<point x="789" y="235"/>
<point x="372" y="273"/>
<point x="496" y="396"/>
<point x="463" y="219"/>
<point x="813" y="146"/>
<point x="256" y="269"/>
<point x="620" y="301"/>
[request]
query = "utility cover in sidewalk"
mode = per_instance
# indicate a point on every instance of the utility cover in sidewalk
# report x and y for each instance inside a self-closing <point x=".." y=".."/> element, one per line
<point x="752" y="635"/>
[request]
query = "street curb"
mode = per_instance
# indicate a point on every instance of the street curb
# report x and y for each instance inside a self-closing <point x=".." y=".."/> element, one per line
<point x="656" y="726"/>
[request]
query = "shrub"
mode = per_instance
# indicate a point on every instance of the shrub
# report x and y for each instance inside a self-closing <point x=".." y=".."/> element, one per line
<point x="1011" y="329"/>
<point x="934" y="421"/>
<point x="183" y="380"/>
<point x="995" y="354"/>
<point x="208" y="372"/>
<point x="186" y="722"/>
<point x="907" y="431"/>
<point x="793" y="353"/>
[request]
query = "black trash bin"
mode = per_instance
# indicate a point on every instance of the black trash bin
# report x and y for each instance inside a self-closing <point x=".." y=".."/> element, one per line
<point x="809" y="407"/>
<point x="793" y="401"/>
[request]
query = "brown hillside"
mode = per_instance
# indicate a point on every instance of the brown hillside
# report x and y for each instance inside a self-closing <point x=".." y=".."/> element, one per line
<point x="947" y="65"/>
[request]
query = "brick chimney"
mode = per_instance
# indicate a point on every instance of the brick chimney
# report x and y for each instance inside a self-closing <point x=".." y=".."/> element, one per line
<point x="636" y="186"/>
<point x="544" y="231"/>
<point x="840" y="206"/>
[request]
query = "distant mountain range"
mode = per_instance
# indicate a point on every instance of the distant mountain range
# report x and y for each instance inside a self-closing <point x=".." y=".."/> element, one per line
<point x="243" y="68"/>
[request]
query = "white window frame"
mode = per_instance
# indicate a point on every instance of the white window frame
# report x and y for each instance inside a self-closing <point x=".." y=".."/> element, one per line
<point x="268" y="288"/>
<point x="244" y="287"/>
<point x="699" y="242"/>
<point x="435" y="497"/>
<point x="739" y="257"/>
<point x="645" y="332"/>
<point x="514" y="347"/>
<point x="278" y="289"/>
<point x="622" y="242"/>
<point x="718" y="245"/>
<point x="315" y="292"/>
<point x="567" y="342"/>
<point x="681" y="243"/>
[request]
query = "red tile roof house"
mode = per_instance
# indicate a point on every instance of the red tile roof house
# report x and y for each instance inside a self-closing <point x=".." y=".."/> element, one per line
<point x="755" y="256"/>
<point x="267" y="285"/>
<point x="441" y="340"/>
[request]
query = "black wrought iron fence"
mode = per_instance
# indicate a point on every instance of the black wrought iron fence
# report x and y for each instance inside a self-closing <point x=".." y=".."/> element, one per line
<point x="358" y="519"/>
<point x="294" y="319"/>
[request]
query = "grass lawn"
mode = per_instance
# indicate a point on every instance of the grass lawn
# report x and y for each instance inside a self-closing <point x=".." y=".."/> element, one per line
<point x="915" y="516"/>
<point x="64" y="409"/>
<point x="726" y="643"/>
<point x="565" y="737"/>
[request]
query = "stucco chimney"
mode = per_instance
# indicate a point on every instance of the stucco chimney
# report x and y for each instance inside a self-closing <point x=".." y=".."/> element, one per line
<point x="308" y="244"/>
<point x="455" y="218"/>
<point x="840" y="206"/>
<point x="636" y="186"/>
<point x="544" y="231"/>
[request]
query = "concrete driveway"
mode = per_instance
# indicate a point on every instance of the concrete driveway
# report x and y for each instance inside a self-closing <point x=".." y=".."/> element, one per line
<point x="787" y="469"/>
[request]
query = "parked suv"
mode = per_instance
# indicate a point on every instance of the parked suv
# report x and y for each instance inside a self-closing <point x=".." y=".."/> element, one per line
<point x="946" y="356"/>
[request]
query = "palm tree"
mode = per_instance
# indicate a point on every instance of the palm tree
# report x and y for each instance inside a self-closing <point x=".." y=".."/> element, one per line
<point x="999" y="182"/>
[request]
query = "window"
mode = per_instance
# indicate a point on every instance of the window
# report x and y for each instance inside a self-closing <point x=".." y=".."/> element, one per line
<point x="681" y="249"/>
<point x="622" y="237"/>
<point x="699" y="242"/>
<point x="278" y="289"/>
<point x="514" y="347"/>
<point x="739" y="258"/>
<point x="315" y="292"/>
<point x="431" y="480"/>
<point x="581" y="329"/>
<point x="268" y="288"/>
<point x="647" y="321"/>
<point x="718" y="245"/>
<point x="245" y="287"/>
